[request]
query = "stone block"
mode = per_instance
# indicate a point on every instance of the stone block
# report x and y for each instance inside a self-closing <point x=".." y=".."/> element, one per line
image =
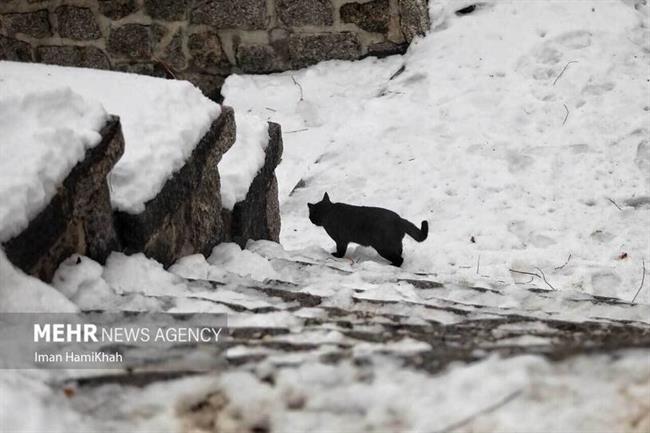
<point x="15" y="50"/>
<point x="77" y="23"/>
<point x="117" y="9"/>
<point x="231" y="14"/>
<point x="258" y="215"/>
<point x="294" y="13"/>
<point x="185" y="217"/>
<point x="307" y="50"/>
<point x="210" y="84"/>
<point x="78" y="219"/>
<point x="35" y="24"/>
<point x="373" y="16"/>
<point x="206" y="53"/>
<point x="414" y="16"/>
<point x="259" y="59"/>
<point x="131" y="40"/>
<point x="166" y="10"/>
<point x="84" y="57"/>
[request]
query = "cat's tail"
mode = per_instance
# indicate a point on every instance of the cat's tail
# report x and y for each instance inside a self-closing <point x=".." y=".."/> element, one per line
<point x="417" y="234"/>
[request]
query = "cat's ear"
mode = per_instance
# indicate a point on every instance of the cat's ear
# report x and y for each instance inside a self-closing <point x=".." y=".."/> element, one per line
<point x="326" y="198"/>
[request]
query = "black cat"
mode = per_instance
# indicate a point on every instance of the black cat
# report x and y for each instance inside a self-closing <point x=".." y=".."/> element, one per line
<point x="379" y="228"/>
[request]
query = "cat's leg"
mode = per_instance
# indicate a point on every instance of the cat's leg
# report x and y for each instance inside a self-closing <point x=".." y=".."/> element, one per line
<point x="393" y="255"/>
<point x="341" y="248"/>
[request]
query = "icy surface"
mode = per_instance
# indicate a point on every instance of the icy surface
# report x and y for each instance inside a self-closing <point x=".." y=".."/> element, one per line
<point x="244" y="159"/>
<point x="162" y="121"/>
<point x="519" y="131"/>
<point x="43" y="135"/>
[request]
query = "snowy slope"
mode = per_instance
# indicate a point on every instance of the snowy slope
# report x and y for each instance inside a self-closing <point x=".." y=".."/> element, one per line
<point x="43" y="135"/>
<point x="523" y="125"/>
<point x="162" y="121"/>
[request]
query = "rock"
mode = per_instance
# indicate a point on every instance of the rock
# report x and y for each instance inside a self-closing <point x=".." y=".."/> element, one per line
<point x="185" y="217"/>
<point x="84" y="57"/>
<point x="383" y="49"/>
<point x="132" y="40"/>
<point x="207" y="54"/>
<point x="13" y="49"/>
<point x="173" y="54"/>
<point x="414" y="18"/>
<point x="117" y="9"/>
<point x="77" y="23"/>
<point x="259" y="59"/>
<point x="143" y="68"/>
<point x="210" y="84"/>
<point x="231" y="14"/>
<point x="373" y="16"/>
<point x="305" y="12"/>
<point x="307" y="50"/>
<point x="79" y="218"/>
<point x="35" y="24"/>
<point x="258" y="215"/>
<point x="167" y="10"/>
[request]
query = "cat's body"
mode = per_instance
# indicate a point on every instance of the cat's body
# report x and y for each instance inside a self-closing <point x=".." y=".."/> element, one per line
<point x="379" y="228"/>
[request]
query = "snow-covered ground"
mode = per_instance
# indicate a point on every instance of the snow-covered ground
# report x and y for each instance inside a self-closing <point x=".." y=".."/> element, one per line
<point x="520" y="132"/>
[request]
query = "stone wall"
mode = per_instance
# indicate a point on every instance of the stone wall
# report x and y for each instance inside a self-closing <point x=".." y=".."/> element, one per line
<point x="203" y="41"/>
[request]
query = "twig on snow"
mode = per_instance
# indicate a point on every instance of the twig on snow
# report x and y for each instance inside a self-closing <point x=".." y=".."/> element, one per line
<point x="567" y="114"/>
<point x="270" y="109"/>
<point x="614" y="203"/>
<point x="642" y="281"/>
<point x="478" y="263"/>
<point x="297" y="130"/>
<point x="562" y="72"/>
<point x="507" y="399"/>
<point x="565" y="263"/>
<point x="525" y="273"/>
<point x="544" y="278"/>
<point x="299" y="86"/>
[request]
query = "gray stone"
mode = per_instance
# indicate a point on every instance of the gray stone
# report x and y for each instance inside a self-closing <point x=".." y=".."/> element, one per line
<point x="206" y="53"/>
<point x="307" y="50"/>
<point x="141" y="68"/>
<point x="35" y="24"/>
<point x="85" y="57"/>
<point x="172" y="54"/>
<point x="167" y="10"/>
<point x="258" y="215"/>
<point x="117" y="9"/>
<point x="305" y="12"/>
<point x="13" y="49"/>
<point x="209" y="84"/>
<point x="158" y="32"/>
<point x="259" y="59"/>
<point x="373" y="16"/>
<point x="77" y="23"/>
<point x="414" y="18"/>
<point x="383" y="49"/>
<point x="78" y="219"/>
<point x="231" y="14"/>
<point x="185" y="217"/>
<point x="131" y="40"/>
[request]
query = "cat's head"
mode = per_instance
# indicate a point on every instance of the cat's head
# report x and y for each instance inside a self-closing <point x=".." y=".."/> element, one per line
<point x="318" y="210"/>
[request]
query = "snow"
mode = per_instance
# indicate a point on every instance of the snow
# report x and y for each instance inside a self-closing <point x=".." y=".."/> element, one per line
<point x="162" y="121"/>
<point x="244" y="159"/>
<point x="20" y="293"/>
<point x="472" y="137"/>
<point x="44" y="134"/>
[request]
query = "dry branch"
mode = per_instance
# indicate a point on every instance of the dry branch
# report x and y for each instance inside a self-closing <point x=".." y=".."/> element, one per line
<point x="299" y="86"/>
<point x="562" y="72"/>
<point x="642" y="281"/>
